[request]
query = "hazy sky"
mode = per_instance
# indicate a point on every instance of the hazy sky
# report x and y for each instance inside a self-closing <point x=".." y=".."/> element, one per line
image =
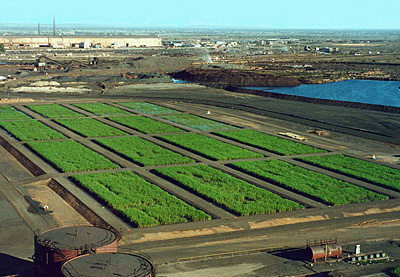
<point x="331" y="14"/>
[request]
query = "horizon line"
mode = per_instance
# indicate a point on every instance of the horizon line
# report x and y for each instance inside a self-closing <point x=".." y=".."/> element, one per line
<point x="205" y="27"/>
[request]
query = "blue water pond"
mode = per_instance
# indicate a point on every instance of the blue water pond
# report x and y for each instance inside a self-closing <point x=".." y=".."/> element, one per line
<point x="363" y="91"/>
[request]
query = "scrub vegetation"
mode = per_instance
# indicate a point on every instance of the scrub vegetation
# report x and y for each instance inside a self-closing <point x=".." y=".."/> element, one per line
<point x="142" y="151"/>
<point x="370" y="172"/>
<point x="227" y="191"/>
<point x="323" y="188"/>
<point x="37" y="130"/>
<point x="145" y="125"/>
<point x="90" y="127"/>
<point x="54" y="111"/>
<point x="70" y="156"/>
<point x="140" y="202"/>
<point x="147" y="108"/>
<point x="270" y="143"/>
<point x="197" y="122"/>
<point x="102" y="109"/>
<point x="9" y="113"/>
<point x="209" y="147"/>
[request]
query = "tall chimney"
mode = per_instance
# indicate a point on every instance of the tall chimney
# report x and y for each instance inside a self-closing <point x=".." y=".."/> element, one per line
<point x="54" y="25"/>
<point x="38" y="29"/>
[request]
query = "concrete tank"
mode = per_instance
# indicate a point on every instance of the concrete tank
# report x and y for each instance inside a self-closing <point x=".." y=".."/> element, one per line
<point x="109" y="264"/>
<point x="55" y="246"/>
<point x="319" y="251"/>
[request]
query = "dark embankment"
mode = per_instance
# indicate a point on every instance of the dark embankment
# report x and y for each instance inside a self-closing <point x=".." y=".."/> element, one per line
<point x="234" y="78"/>
<point x="27" y="163"/>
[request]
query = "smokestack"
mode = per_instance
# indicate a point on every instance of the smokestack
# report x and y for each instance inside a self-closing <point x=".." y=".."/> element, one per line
<point x="38" y="29"/>
<point x="54" y="25"/>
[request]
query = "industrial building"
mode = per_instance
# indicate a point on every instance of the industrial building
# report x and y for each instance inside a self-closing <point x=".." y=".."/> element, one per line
<point x="87" y="251"/>
<point x="81" y="41"/>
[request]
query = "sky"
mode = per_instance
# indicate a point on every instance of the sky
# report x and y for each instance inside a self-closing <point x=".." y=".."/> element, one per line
<point x="277" y="14"/>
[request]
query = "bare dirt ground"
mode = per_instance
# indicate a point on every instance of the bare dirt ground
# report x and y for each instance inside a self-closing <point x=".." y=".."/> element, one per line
<point x="48" y="201"/>
<point x="10" y="169"/>
<point x="16" y="241"/>
<point x="15" y="100"/>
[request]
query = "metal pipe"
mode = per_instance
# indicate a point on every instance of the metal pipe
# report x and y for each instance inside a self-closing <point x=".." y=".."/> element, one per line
<point x="54" y="25"/>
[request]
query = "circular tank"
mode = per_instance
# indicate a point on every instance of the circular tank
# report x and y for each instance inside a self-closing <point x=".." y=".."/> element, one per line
<point x="109" y="264"/>
<point x="55" y="246"/>
<point x="319" y="251"/>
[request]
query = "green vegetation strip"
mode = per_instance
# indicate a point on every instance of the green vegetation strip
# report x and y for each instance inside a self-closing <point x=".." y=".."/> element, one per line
<point x="395" y="272"/>
<point x="209" y="147"/>
<point x="270" y="143"/>
<point x="140" y="202"/>
<point x="54" y="111"/>
<point x="370" y="172"/>
<point x="102" y="109"/>
<point x="227" y="191"/>
<point x="145" y="125"/>
<point x="70" y="156"/>
<point x="197" y="122"/>
<point x="90" y="127"/>
<point x="142" y="151"/>
<point x="9" y="113"/>
<point x="148" y="108"/>
<point x="30" y="130"/>
<point x="310" y="183"/>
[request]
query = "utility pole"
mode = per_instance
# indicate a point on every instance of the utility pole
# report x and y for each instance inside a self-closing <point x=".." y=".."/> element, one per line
<point x="54" y="25"/>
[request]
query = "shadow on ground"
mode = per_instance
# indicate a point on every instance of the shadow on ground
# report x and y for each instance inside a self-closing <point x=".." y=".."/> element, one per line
<point x="321" y="274"/>
<point x="10" y="265"/>
<point x="292" y="254"/>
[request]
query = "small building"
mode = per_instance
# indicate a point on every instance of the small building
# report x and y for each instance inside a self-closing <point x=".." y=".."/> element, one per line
<point x="59" y="45"/>
<point x="115" y="45"/>
<point x="327" y="50"/>
<point x="84" y="45"/>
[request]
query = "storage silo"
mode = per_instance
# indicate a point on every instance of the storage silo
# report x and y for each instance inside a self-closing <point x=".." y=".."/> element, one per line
<point x="56" y="246"/>
<point x="110" y="264"/>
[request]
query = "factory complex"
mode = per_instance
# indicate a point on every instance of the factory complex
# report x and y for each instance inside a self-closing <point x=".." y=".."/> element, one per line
<point x="89" y="41"/>
<point x="146" y="152"/>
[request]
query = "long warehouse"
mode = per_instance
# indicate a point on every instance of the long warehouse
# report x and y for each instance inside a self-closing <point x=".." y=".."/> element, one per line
<point x="81" y="41"/>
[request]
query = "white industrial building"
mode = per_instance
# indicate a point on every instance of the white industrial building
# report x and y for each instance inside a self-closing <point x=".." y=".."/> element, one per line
<point x="77" y="41"/>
